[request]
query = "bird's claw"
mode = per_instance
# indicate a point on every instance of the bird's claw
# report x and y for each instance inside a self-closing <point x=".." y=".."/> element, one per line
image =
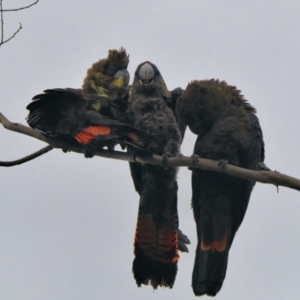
<point x="88" y="154"/>
<point x="165" y="160"/>
<point x="194" y="159"/>
<point x="222" y="164"/>
<point x="182" y="241"/>
<point x="138" y="153"/>
<point x="134" y="155"/>
<point x="111" y="147"/>
<point x="262" y="167"/>
<point x="65" y="150"/>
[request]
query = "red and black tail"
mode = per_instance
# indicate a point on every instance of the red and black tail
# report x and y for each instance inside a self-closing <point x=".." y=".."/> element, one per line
<point x="95" y="136"/>
<point x="210" y="264"/>
<point x="156" y="251"/>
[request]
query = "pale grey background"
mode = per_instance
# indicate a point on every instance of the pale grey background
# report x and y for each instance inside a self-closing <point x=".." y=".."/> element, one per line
<point x="67" y="223"/>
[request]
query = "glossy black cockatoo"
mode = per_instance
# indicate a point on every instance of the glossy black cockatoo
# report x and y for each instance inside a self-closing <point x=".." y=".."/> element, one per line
<point x="227" y="130"/>
<point x="93" y="116"/>
<point x="156" y="236"/>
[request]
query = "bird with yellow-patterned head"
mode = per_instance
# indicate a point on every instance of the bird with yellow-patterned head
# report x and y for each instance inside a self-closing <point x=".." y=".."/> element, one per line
<point x="93" y="116"/>
<point x="229" y="131"/>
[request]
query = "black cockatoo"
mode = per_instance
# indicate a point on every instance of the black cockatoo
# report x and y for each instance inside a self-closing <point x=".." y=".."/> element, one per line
<point x="227" y="130"/>
<point x="93" y="116"/>
<point x="156" y="237"/>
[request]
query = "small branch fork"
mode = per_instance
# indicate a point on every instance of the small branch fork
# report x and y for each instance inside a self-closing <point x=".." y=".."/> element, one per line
<point x="268" y="177"/>
<point x="2" y="41"/>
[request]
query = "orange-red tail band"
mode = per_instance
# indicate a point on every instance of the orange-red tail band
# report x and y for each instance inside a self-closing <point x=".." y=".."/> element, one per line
<point x="219" y="246"/>
<point x="91" y="132"/>
<point x="157" y="244"/>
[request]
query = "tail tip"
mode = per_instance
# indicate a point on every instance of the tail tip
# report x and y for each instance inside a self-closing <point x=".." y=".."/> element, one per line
<point x="155" y="274"/>
<point x="201" y="288"/>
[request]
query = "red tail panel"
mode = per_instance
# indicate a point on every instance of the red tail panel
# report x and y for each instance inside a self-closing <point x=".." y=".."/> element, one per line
<point x="219" y="246"/>
<point x="156" y="251"/>
<point x="90" y="132"/>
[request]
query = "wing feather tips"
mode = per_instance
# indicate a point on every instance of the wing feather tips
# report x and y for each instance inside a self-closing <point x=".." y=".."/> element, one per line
<point x="44" y="110"/>
<point x="33" y="120"/>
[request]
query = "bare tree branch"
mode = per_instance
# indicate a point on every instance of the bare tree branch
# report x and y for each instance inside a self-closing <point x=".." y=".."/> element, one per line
<point x="268" y="177"/>
<point x="2" y="41"/>
<point x="1" y="16"/>
<point x="26" y="158"/>
<point x="54" y="142"/>
<point x="20" y="8"/>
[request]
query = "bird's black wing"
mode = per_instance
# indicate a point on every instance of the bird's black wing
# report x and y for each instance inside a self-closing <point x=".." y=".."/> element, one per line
<point x="84" y="119"/>
<point x="227" y="129"/>
<point x="171" y="102"/>
<point x="55" y="112"/>
<point x="156" y="236"/>
<point x="65" y="111"/>
<point x="136" y="171"/>
<point x="252" y="157"/>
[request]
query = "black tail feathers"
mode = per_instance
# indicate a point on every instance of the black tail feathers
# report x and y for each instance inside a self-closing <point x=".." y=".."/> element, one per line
<point x="209" y="271"/>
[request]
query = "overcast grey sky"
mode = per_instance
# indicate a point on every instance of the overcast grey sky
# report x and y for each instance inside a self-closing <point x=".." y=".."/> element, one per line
<point x="67" y="223"/>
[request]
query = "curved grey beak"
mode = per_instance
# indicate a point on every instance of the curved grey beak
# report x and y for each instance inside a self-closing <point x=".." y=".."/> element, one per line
<point x="146" y="74"/>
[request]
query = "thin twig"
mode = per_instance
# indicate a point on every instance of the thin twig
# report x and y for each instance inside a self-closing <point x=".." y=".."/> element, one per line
<point x="26" y="158"/>
<point x="3" y="42"/>
<point x="268" y="177"/>
<point x="2" y="22"/>
<point x="24" y="7"/>
<point x="1" y="16"/>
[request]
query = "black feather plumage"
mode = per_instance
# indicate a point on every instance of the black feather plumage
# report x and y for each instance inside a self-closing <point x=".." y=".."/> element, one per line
<point x="93" y="116"/>
<point x="156" y="239"/>
<point x="227" y="129"/>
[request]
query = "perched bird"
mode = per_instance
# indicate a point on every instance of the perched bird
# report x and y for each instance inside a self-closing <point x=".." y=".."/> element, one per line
<point x="156" y="236"/>
<point x="227" y="130"/>
<point x="93" y="116"/>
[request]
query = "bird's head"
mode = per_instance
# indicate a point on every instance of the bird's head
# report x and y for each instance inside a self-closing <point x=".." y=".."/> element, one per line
<point x="108" y="77"/>
<point x="121" y="77"/>
<point x="202" y="104"/>
<point x="148" y="80"/>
